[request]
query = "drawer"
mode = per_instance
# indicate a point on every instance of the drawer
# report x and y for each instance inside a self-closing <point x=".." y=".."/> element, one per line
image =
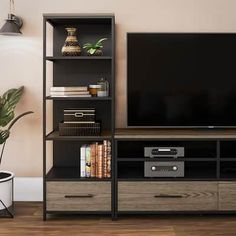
<point x="227" y="196"/>
<point x="78" y="196"/>
<point x="167" y="196"/>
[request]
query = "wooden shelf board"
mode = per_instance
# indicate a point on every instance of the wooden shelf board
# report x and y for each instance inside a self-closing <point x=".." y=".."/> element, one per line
<point x="54" y="135"/>
<point x="175" y="133"/>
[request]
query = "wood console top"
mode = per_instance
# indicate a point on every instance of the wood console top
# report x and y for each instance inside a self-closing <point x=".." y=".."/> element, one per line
<point x="127" y="133"/>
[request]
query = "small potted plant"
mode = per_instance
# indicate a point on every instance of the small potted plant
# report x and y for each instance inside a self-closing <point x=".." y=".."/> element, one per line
<point x="94" y="49"/>
<point x="8" y="102"/>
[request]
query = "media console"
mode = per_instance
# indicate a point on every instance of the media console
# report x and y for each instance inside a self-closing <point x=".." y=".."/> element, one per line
<point x="206" y="181"/>
<point x="209" y="182"/>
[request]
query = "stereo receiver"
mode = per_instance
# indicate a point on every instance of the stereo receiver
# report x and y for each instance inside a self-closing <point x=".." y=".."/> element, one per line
<point x="164" y="169"/>
<point x="164" y="152"/>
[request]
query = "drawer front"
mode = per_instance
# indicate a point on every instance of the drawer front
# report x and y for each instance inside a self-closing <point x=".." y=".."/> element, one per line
<point x="167" y="196"/>
<point x="227" y="196"/>
<point x="78" y="196"/>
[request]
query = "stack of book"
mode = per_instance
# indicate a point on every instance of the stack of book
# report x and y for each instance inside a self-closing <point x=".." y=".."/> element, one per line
<point x="79" y="122"/>
<point x="81" y="91"/>
<point x="95" y="160"/>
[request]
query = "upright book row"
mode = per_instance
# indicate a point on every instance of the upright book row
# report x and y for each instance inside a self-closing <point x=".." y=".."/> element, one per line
<point x="95" y="160"/>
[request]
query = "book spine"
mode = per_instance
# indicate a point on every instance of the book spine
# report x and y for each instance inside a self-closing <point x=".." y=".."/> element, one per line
<point x="104" y="159"/>
<point x="63" y="89"/>
<point x="93" y="160"/>
<point x="69" y="93"/>
<point x="96" y="158"/>
<point x="82" y="161"/>
<point x="100" y="162"/>
<point x="88" y="162"/>
<point x="108" y="159"/>
<point x="81" y="95"/>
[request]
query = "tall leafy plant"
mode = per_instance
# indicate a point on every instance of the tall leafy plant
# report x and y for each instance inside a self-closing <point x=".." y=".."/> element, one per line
<point x="8" y="102"/>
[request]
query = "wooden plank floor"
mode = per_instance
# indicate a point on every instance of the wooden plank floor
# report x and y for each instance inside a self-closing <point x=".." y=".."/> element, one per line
<point x="28" y="222"/>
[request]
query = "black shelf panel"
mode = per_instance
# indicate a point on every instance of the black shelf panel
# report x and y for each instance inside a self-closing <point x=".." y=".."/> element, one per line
<point x="56" y="58"/>
<point x="80" y="98"/>
<point x="69" y="174"/>
<point x="227" y="149"/>
<point x="228" y="169"/>
<point x="54" y="135"/>
<point x="166" y="159"/>
<point x="228" y="159"/>
<point x="94" y="19"/>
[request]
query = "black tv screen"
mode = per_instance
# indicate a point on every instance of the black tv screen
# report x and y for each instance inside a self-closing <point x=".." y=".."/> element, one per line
<point x="181" y="79"/>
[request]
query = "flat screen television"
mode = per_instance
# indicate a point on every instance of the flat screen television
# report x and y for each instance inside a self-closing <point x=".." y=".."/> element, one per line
<point x="181" y="80"/>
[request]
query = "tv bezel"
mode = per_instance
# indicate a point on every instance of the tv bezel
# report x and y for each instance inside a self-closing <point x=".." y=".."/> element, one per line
<point x="209" y="127"/>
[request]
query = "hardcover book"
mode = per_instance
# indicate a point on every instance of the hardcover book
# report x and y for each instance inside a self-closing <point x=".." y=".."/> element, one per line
<point x="100" y="162"/>
<point x="93" y="160"/>
<point x="82" y="161"/>
<point x="88" y="162"/>
<point x="70" y="89"/>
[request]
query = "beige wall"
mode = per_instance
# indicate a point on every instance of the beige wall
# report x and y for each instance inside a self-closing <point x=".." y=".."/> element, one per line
<point x="21" y="57"/>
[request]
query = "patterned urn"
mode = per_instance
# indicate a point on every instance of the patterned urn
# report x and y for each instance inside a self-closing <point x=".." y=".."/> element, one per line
<point x="71" y="46"/>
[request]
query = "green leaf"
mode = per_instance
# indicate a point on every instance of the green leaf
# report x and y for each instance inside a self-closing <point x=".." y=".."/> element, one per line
<point x="87" y="45"/>
<point x="92" y="51"/>
<point x="7" y="105"/>
<point x="6" y="114"/>
<point x="101" y="40"/>
<point x="98" y="47"/>
<point x="4" y="135"/>
<point x="13" y="96"/>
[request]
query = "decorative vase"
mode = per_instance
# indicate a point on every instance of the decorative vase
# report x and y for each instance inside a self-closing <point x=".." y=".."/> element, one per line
<point x="71" y="46"/>
<point x="6" y="190"/>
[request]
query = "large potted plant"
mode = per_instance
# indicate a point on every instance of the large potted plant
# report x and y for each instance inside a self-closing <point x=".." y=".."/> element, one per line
<point x="8" y="102"/>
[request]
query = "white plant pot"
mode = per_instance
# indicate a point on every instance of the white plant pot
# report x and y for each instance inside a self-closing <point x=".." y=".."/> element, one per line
<point x="6" y="188"/>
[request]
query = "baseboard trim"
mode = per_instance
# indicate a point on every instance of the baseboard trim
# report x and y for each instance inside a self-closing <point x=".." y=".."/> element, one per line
<point x="28" y="189"/>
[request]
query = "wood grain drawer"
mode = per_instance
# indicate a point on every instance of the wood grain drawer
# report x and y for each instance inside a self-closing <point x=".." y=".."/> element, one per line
<point x="227" y="196"/>
<point x="78" y="196"/>
<point x="167" y="196"/>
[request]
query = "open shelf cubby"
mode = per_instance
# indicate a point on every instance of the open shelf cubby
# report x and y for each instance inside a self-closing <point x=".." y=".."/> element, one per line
<point x="193" y="149"/>
<point x="69" y="174"/>
<point x="193" y="171"/>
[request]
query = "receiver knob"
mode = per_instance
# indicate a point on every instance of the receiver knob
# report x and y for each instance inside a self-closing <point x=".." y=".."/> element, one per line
<point x="153" y="168"/>
<point x="175" y="168"/>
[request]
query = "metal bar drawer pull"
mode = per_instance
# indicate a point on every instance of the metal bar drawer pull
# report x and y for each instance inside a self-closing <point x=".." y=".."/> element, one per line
<point x="168" y="196"/>
<point x="80" y="196"/>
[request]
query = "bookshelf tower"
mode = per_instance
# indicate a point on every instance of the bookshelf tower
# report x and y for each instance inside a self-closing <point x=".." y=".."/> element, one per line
<point x="64" y="190"/>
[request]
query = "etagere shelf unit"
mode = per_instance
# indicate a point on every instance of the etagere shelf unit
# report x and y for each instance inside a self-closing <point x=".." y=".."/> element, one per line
<point x="64" y="190"/>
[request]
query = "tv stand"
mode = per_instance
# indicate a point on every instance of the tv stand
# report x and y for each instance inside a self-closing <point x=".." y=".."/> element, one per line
<point x="209" y="183"/>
